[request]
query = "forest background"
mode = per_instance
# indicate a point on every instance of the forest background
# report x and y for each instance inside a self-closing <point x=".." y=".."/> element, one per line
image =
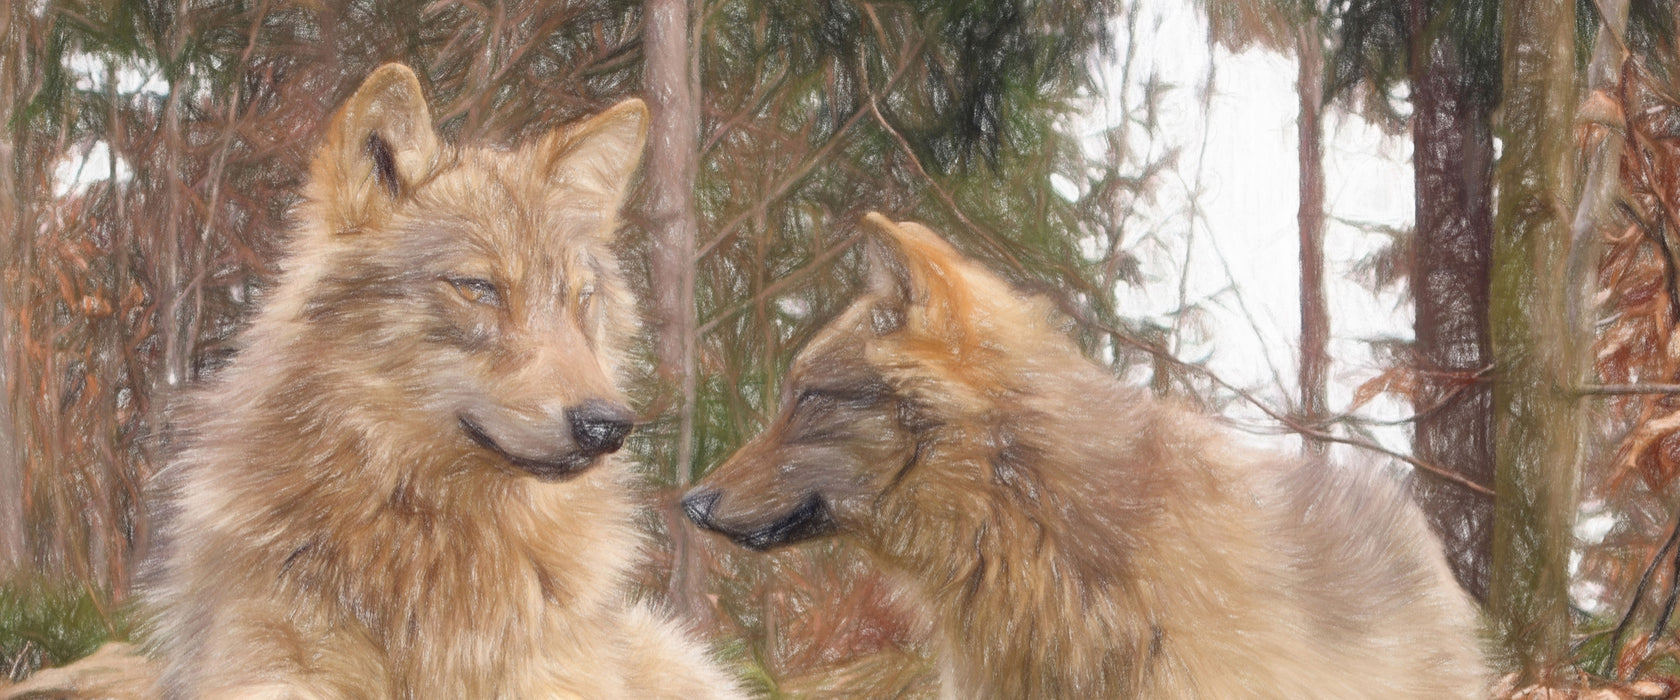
<point x="150" y="151"/>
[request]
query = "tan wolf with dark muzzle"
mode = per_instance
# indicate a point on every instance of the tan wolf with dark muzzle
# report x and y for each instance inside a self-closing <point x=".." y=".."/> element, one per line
<point x="1072" y="537"/>
<point x="404" y="486"/>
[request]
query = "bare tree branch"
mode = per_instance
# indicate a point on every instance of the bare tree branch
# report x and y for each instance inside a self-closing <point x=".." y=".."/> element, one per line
<point x="1294" y="425"/>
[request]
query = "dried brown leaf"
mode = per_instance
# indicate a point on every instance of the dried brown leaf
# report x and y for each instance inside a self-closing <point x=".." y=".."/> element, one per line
<point x="1400" y="380"/>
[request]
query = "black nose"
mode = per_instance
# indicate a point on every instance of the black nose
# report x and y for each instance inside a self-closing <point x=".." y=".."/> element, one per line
<point x="599" y="426"/>
<point x="698" y="504"/>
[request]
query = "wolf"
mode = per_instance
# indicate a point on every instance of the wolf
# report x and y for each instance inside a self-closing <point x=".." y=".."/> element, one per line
<point x="404" y="486"/>
<point x="1072" y="536"/>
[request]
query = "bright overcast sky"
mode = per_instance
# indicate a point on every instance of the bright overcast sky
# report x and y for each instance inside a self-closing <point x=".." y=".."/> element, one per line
<point x="1243" y="249"/>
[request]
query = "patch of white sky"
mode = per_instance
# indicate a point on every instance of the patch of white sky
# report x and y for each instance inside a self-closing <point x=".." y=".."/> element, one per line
<point x="93" y="162"/>
<point x="1243" y="272"/>
<point x="1593" y="522"/>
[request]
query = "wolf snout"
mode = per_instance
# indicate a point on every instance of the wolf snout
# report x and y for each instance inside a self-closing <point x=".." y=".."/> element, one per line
<point x="599" y="427"/>
<point x="698" y="504"/>
<point x="808" y="519"/>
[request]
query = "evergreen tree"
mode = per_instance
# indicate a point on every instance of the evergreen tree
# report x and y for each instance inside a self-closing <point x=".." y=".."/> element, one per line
<point x="1446" y="52"/>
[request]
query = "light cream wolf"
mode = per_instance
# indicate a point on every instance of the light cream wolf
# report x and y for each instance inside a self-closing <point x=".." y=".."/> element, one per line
<point x="1073" y="537"/>
<point x="403" y="487"/>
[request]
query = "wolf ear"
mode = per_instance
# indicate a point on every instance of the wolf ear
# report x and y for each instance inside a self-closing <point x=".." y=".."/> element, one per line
<point x="912" y="269"/>
<point x="889" y="282"/>
<point x="379" y="145"/>
<point x="599" y="155"/>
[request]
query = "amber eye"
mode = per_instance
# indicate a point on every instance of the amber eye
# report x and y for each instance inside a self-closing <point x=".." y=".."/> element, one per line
<point x="478" y="291"/>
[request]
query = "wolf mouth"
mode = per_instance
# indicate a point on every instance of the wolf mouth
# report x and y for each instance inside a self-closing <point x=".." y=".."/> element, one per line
<point x="810" y="519"/>
<point x="561" y="469"/>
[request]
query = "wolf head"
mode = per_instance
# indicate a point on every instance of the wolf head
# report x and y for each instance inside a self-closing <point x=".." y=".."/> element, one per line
<point x="897" y="393"/>
<point x="465" y="292"/>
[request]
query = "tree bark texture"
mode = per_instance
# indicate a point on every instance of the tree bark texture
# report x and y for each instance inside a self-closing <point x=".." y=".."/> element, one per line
<point x="1315" y="316"/>
<point x="1452" y="160"/>
<point x="672" y="162"/>
<point x="1538" y="431"/>
<point x="14" y="206"/>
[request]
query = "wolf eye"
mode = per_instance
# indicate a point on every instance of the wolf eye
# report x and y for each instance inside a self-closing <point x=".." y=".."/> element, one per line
<point x="809" y="397"/>
<point x="862" y="396"/>
<point x="478" y="291"/>
<point x="585" y="293"/>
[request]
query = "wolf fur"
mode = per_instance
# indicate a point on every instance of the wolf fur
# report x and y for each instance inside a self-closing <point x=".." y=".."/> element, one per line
<point x="1075" y="537"/>
<point x="403" y="486"/>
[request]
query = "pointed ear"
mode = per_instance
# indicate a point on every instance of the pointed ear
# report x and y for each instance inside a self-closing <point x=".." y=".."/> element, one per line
<point x="598" y="156"/>
<point x="918" y="275"/>
<point x="888" y="281"/>
<point x="380" y="144"/>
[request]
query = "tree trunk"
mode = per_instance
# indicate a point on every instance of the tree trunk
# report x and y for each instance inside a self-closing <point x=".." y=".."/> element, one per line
<point x="1538" y="431"/>
<point x="14" y="202"/>
<point x="673" y="158"/>
<point x="1452" y="143"/>
<point x="1315" y="317"/>
<point x="178" y="337"/>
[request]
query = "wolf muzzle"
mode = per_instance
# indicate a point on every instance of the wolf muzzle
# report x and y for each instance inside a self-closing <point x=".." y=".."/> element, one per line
<point x="810" y="519"/>
<point x="597" y="427"/>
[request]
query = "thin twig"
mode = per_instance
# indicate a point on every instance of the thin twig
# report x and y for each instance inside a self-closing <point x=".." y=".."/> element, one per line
<point x="1668" y="606"/>
<point x="1440" y="404"/>
<point x="728" y="230"/>
<point x="99" y="607"/>
<point x="1248" y="314"/>
<point x="17" y="663"/>
<point x="1638" y="594"/>
<point x="786" y="281"/>
<point x="986" y="235"/>
<point x="1664" y="206"/>
<point x="1195" y="217"/>
<point x="1294" y="425"/>
<point x="1625" y="389"/>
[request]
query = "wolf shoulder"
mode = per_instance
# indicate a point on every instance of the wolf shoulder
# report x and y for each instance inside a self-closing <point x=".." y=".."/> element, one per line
<point x="1369" y="574"/>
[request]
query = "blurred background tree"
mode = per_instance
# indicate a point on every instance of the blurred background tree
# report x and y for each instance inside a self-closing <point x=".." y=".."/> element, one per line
<point x="1537" y="431"/>
<point x="1438" y="60"/>
<point x="1295" y="27"/>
